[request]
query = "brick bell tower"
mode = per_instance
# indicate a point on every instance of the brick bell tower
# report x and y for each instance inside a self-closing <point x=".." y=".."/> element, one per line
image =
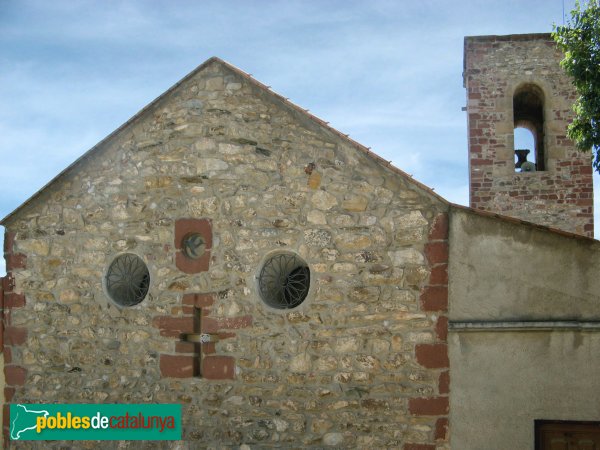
<point x="515" y="86"/>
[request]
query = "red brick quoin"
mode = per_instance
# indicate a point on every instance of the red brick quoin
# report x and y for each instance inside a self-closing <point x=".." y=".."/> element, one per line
<point x="428" y="406"/>
<point x="193" y="359"/>
<point x="434" y="296"/>
<point x="11" y="336"/>
<point x="434" y="356"/>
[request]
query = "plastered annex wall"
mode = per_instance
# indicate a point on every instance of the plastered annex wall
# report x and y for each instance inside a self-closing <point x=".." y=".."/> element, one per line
<point x="524" y="336"/>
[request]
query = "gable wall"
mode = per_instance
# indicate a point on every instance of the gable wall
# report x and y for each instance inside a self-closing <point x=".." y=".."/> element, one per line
<point x="363" y="362"/>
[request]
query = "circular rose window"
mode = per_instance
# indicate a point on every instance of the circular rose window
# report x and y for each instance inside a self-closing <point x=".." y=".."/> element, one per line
<point x="284" y="281"/>
<point x="127" y="280"/>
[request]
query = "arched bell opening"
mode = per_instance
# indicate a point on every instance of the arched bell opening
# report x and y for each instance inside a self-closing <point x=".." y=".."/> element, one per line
<point x="528" y="118"/>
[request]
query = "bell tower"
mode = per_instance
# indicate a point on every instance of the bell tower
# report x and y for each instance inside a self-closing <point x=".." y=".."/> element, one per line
<point x="521" y="163"/>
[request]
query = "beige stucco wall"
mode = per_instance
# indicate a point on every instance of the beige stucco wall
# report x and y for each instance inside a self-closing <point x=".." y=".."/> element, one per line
<point x="501" y="270"/>
<point x="504" y="380"/>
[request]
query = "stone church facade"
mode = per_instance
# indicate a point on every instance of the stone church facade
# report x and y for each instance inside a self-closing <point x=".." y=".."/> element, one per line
<point x="361" y="362"/>
<point x="228" y="251"/>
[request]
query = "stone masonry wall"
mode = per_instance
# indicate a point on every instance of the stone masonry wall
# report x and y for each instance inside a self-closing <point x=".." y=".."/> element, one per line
<point x="361" y="363"/>
<point x="562" y="195"/>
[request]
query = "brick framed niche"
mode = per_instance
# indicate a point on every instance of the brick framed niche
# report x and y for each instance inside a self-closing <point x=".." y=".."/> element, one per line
<point x="193" y="244"/>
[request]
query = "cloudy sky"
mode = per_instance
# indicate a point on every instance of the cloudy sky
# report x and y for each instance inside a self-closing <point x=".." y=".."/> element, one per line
<point x="387" y="72"/>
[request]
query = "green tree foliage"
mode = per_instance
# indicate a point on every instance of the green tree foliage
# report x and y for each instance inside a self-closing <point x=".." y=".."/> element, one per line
<point x="579" y="40"/>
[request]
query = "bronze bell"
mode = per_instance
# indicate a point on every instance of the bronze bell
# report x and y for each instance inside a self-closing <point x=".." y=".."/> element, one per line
<point x="522" y="156"/>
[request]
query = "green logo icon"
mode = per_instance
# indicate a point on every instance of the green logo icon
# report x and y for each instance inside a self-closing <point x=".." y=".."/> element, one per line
<point x="95" y="422"/>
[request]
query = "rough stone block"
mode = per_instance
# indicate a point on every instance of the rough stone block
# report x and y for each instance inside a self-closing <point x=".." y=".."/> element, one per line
<point x="314" y="180"/>
<point x="218" y="367"/>
<point x="324" y="200"/>
<point x="39" y="247"/>
<point x="212" y="325"/>
<point x="211" y="165"/>
<point x="333" y="439"/>
<point x="215" y="83"/>
<point x="355" y="203"/>
<point x="406" y="256"/>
